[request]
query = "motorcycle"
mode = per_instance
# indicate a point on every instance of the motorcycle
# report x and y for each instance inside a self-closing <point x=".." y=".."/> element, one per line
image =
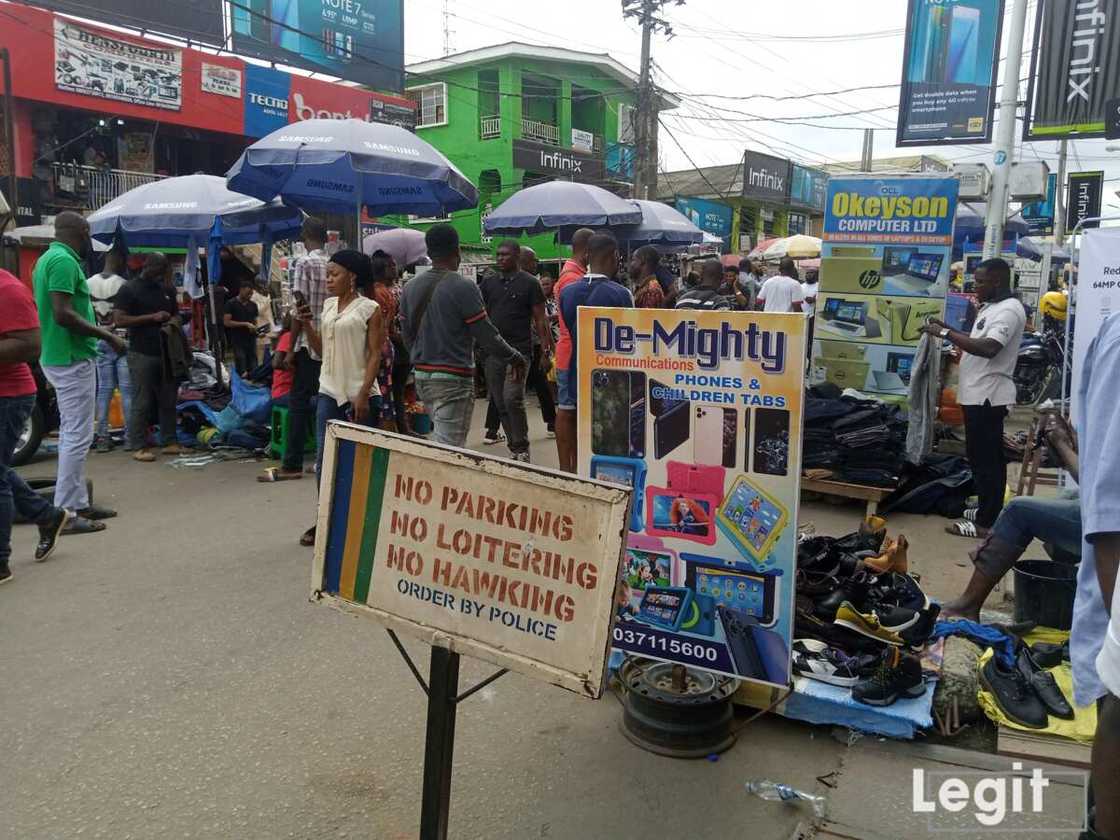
<point x="44" y="419"/>
<point x="1038" y="368"/>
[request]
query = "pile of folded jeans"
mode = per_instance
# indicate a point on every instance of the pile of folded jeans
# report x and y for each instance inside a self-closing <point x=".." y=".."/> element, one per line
<point x="860" y="441"/>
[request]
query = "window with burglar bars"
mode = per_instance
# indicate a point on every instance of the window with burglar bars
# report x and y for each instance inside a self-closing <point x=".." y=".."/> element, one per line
<point x="431" y="104"/>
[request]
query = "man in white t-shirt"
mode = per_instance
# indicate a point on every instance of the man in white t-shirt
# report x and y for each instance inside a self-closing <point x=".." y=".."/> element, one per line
<point x="112" y="367"/>
<point x="987" y="387"/>
<point x="782" y="292"/>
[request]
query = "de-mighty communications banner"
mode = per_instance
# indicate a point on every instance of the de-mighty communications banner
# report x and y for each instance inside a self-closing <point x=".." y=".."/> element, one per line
<point x="949" y="72"/>
<point x="699" y="413"/>
<point x="884" y="271"/>
<point x="1075" y="70"/>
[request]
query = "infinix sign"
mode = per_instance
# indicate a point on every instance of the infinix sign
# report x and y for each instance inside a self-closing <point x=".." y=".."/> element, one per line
<point x="549" y="160"/>
<point x="1085" y="58"/>
<point x="765" y="177"/>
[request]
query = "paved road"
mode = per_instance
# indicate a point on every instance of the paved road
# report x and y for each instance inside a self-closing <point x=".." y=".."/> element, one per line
<point x="169" y="678"/>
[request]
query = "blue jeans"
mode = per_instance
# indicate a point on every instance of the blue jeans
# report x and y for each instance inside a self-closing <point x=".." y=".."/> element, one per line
<point x="450" y="404"/>
<point x="14" y="492"/>
<point x="1026" y="518"/>
<point x="112" y="373"/>
<point x="326" y="409"/>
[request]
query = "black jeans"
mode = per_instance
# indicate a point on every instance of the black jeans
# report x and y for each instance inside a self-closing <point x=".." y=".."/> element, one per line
<point x="983" y="430"/>
<point x="148" y="389"/>
<point x="245" y="357"/>
<point x="305" y="386"/>
<point x="15" y="495"/>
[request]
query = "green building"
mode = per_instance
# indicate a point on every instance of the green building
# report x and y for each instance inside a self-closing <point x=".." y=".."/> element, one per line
<point x="514" y="115"/>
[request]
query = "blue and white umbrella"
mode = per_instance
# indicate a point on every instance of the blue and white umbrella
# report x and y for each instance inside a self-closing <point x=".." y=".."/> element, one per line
<point x="660" y="225"/>
<point x="560" y="204"/>
<point x="172" y="212"/>
<point x="337" y="165"/>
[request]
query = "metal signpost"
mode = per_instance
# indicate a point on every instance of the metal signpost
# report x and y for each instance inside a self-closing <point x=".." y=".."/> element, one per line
<point x="506" y="562"/>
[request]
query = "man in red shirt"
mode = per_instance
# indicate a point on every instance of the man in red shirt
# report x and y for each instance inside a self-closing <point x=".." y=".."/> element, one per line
<point x="19" y="344"/>
<point x="573" y="270"/>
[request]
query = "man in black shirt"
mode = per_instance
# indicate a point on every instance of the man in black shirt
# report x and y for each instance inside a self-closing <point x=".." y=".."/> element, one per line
<point x="241" y="328"/>
<point x="706" y="295"/>
<point x="515" y="303"/>
<point x="144" y="305"/>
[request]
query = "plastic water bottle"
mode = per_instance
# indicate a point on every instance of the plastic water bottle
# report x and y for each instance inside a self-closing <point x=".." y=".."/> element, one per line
<point x="775" y="792"/>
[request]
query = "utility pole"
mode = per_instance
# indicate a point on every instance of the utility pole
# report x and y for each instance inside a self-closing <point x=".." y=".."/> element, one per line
<point x="447" y="33"/>
<point x="1059" y="216"/>
<point x="867" y="158"/>
<point x="648" y="14"/>
<point x="1005" y="133"/>
<point x="10" y="133"/>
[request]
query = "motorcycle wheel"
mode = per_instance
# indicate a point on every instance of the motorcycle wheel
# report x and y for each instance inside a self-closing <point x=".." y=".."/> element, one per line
<point x="32" y="435"/>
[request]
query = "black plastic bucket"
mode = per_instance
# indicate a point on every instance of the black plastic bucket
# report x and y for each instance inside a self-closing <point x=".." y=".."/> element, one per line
<point x="1044" y="593"/>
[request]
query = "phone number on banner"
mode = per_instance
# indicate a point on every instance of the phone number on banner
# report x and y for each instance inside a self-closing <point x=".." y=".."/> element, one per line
<point x="660" y="645"/>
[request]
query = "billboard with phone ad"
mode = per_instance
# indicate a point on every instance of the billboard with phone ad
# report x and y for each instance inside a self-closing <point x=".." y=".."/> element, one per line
<point x="699" y="414"/>
<point x="949" y="72"/>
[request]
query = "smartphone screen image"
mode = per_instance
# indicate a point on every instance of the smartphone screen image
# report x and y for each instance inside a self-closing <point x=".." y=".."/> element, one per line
<point x="610" y="413"/>
<point x="747" y="439"/>
<point x="771" y="441"/>
<point x="730" y="436"/>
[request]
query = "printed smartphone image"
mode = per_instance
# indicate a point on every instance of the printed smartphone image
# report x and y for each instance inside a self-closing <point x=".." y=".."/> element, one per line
<point x="964" y="42"/>
<point x="707" y="440"/>
<point x="747" y="439"/>
<point x="771" y="441"/>
<point x="730" y="436"/>
<point x="672" y="418"/>
<point x="618" y="413"/>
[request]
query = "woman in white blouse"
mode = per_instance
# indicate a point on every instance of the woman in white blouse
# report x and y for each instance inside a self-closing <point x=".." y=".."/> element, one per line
<point x="349" y="341"/>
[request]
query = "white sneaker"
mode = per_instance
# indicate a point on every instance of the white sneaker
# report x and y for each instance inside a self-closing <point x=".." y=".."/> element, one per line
<point x="489" y="440"/>
<point x="523" y="457"/>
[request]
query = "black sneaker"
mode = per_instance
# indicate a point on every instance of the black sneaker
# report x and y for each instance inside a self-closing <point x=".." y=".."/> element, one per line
<point x="1013" y="694"/>
<point x="854" y="590"/>
<point x="899" y="590"/>
<point x="1044" y="685"/>
<point x="820" y="661"/>
<point x="898" y="675"/>
<point x="5" y="574"/>
<point x="49" y="533"/>
<point x="919" y="632"/>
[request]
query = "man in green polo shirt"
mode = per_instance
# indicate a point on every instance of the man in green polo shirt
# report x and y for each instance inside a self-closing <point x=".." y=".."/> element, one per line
<point x="69" y="347"/>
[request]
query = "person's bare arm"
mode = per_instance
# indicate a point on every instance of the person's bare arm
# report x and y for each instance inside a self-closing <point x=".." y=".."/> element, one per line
<point x="375" y="338"/>
<point x="1107" y="550"/>
<point x="1063" y="442"/>
<point x="123" y="319"/>
<point x="540" y="317"/>
<point x="228" y="321"/>
<point x="62" y="307"/>
<point x="795" y="307"/>
<point x="20" y="346"/>
<point x="313" y="336"/>
<point x="986" y="348"/>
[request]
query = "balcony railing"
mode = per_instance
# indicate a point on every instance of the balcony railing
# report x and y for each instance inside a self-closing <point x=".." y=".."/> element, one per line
<point x="541" y="132"/>
<point x="490" y="127"/>
<point x="91" y="187"/>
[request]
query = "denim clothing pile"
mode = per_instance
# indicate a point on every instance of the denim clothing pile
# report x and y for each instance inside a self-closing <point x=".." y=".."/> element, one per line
<point x="862" y="441"/>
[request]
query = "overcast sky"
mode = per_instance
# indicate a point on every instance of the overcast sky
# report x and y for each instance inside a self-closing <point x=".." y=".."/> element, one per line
<point x="719" y="51"/>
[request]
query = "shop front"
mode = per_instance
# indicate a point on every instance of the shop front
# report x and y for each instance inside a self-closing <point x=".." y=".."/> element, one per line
<point x="97" y="113"/>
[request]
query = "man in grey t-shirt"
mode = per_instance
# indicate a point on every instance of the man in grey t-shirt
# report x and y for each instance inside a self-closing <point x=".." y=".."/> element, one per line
<point x="442" y="315"/>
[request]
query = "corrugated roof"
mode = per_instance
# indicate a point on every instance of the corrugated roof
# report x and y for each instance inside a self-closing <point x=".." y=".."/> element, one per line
<point x="707" y="182"/>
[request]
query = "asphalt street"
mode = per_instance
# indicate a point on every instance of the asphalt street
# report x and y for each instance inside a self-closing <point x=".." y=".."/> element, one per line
<point x="170" y="678"/>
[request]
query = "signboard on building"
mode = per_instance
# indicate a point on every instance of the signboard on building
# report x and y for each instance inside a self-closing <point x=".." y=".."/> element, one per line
<point x="949" y="72"/>
<point x="1084" y="200"/>
<point x="808" y="188"/>
<point x="765" y="177"/>
<point x="1075" y="69"/>
<point x="620" y="161"/>
<point x="1097" y="297"/>
<point x="582" y="141"/>
<point x="887" y="250"/>
<point x="700" y="413"/>
<point x="506" y="562"/>
<point x="710" y="216"/>
<point x="393" y="113"/>
<point x="1039" y="215"/>
<point x="94" y="63"/>
<point x="550" y="160"/>
<point x="266" y="100"/>
<point x="361" y="42"/>
<point x="197" y="20"/>
<point x="222" y="80"/>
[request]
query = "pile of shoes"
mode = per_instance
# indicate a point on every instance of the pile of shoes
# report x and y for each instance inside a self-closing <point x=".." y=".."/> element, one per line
<point x="861" y="615"/>
<point x="1026" y="692"/>
<point x="862" y="441"/>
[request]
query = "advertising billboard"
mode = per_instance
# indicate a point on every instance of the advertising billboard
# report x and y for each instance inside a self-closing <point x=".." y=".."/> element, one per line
<point x="949" y="72"/>
<point x="506" y="562"/>
<point x="1075" y="69"/>
<point x="359" y="42"/>
<point x="699" y="413"/>
<point x="1039" y="215"/>
<point x="94" y="63"/>
<point x="198" y="20"/>
<point x="808" y="187"/>
<point x="885" y="259"/>
<point x="1084" y="199"/>
<point x="765" y="177"/>
<point x="710" y="216"/>
<point x="563" y="163"/>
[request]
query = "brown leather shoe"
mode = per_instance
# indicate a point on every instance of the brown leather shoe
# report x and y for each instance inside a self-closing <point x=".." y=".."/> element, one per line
<point x="893" y="558"/>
